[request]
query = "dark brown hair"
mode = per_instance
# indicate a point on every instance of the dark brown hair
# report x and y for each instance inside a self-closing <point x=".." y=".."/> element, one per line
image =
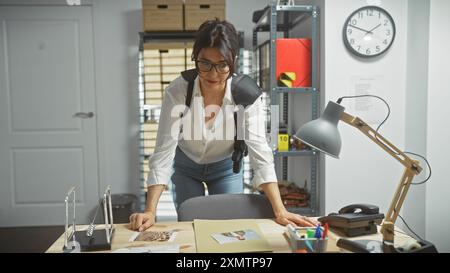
<point x="218" y="34"/>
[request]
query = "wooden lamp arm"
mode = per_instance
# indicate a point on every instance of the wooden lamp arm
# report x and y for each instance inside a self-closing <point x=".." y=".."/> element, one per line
<point x="412" y="168"/>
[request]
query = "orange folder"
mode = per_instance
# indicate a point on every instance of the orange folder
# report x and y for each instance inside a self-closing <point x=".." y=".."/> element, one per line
<point x="294" y="55"/>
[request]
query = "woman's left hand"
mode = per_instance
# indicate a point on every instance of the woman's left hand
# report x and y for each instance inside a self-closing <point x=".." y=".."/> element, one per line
<point x="287" y="217"/>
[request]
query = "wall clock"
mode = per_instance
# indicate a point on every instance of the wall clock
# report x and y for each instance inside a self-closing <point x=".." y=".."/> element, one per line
<point x="369" y="32"/>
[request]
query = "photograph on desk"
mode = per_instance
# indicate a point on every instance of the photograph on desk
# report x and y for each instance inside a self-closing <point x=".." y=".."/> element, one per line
<point x="154" y="236"/>
<point x="210" y="236"/>
<point x="235" y="236"/>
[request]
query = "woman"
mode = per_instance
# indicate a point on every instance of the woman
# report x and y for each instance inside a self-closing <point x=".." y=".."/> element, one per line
<point x="195" y="156"/>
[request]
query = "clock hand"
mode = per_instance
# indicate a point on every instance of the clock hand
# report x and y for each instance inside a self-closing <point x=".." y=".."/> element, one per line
<point x="360" y="28"/>
<point x="371" y="31"/>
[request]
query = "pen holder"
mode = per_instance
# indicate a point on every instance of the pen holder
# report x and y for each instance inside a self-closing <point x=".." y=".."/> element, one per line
<point x="301" y="241"/>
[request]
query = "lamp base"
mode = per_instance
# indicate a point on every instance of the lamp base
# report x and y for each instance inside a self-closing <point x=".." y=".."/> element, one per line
<point x="370" y="246"/>
<point x="98" y="241"/>
<point x="371" y="228"/>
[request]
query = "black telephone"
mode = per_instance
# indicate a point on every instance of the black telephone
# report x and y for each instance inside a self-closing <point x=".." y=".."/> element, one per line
<point x="355" y="220"/>
<point x="360" y="208"/>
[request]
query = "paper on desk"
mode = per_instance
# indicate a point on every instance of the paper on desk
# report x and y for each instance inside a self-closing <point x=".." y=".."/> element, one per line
<point x="172" y="248"/>
<point x="205" y="229"/>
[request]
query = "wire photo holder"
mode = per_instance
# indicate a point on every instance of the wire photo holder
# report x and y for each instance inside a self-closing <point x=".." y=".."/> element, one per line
<point x="70" y="243"/>
<point x="93" y="238"/>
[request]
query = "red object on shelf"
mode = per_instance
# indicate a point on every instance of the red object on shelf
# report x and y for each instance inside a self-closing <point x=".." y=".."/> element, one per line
<point x="294" y="55"/>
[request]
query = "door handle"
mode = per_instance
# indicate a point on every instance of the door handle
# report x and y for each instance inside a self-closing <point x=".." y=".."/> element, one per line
<point x="84" y="115"/>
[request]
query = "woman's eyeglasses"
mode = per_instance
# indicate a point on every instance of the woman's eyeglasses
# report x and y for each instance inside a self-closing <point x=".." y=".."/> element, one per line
<point x="205" y="66"/>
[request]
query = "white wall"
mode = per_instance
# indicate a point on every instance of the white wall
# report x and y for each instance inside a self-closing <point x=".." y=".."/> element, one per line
<point x="116" y="27"/>
<point x="416" y="107"/>
<point x="365" y="173"/>
<point x="414" y="80"/>
<point x="438" y="189"/>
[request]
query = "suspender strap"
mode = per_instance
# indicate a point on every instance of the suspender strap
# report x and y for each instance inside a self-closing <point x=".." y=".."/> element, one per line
<point x="189" y="76"/>
<point x="190" y="91"/>
<point x="240" y="148"/>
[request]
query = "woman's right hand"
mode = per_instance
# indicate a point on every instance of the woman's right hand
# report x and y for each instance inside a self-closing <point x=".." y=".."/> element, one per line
<point x="142" y="221"/>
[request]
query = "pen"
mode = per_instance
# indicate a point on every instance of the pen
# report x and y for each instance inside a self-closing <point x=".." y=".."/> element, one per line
<point x="318" y="233"/>
<point x="325" y="231"/>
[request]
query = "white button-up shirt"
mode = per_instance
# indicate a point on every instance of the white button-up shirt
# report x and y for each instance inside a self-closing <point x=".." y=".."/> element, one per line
<point x="198" y="141"/>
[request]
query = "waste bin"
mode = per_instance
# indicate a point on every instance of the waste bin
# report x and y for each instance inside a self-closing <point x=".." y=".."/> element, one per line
<point x="123" y="205"/>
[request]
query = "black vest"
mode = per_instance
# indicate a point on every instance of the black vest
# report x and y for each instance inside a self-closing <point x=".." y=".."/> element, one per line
<point x="245" y="91"/>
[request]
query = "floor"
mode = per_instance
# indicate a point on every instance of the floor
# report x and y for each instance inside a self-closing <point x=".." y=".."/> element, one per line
<point x="28" y="239"/>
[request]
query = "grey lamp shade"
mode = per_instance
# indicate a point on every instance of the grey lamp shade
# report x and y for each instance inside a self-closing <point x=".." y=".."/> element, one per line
<point x="322" y="134"/>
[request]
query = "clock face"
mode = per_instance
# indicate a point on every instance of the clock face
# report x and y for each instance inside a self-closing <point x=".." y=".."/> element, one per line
<point x="369" y="31"/>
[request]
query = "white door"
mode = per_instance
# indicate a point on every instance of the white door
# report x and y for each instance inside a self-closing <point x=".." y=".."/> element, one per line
<point x="46" y="77"/>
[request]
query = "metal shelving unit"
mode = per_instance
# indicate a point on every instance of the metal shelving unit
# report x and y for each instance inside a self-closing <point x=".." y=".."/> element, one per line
<point x="284" y="18"/>
<point x="148" y="112"/>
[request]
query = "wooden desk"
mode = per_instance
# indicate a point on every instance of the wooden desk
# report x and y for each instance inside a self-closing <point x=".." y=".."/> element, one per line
<point x="273" y="232"/>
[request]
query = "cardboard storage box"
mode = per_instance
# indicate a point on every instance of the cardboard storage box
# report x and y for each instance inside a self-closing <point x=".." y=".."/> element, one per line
<point x="294" y="55"/>
<point x="198" y="11"/>
<point x="162" y="15"/>
<point x="163" y="62"/>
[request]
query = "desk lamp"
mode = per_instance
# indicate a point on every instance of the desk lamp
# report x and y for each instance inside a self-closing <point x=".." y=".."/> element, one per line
<point x="322" y="134"/>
